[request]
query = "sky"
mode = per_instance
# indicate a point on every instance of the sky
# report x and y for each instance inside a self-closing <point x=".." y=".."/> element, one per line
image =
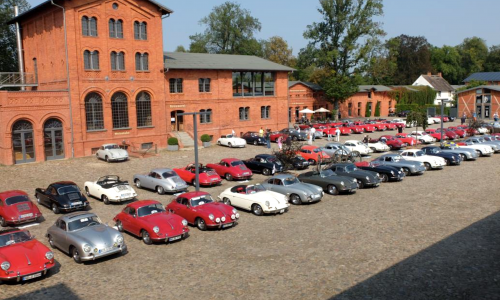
<point x="442" y="22"/>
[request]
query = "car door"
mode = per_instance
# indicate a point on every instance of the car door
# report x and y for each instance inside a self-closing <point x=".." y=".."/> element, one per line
<point x="182" y="208"/>
<point x="278" y="186"/>
<point x="149" y="180"/>
<point x="49" y="195"/>
<point x="242" y="200"/>
<point x="59" y="235"/>
<point x="130" y="222"/>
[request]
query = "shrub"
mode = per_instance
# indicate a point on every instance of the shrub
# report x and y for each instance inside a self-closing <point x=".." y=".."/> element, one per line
<point x="173" y="141"/>
<point x="205" y="138"/>
<point x="377" y="109"/>
<point x="368" y="112"/>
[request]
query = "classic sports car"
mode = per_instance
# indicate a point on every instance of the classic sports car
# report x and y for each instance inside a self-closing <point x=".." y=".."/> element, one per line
<point x="22" y="257"/>
<point x="379" y="146"/>
<point x="276" y="134"/>
<point x="386" y="173"/>
<point x="482" y="150"/>
<point x="109" y="189"/>
<point x="161" y="180"/>
<point x="232" y="169"/>
<point x="358" y="146"/>
<point x="312" y="154"/>
<point x="343" y="130"/>
<point x="62" y="196"/>
<point x="459" y="131"/>
<point x="423" y="137"/>
<point x="336" y="148"/>
<point x="430" y="162"/>
<point x="465" y="153"/>
<point x="17" y="208"/>
<point x="253" y="137"/>
<point x="330" y="182"/>
<point x="300" y="163"/>
<point x="494" y="144"/>
<point x="149" y="220"/>
<point x="256" y="199"/>
<point x="406" y="139"/>
<point x="437" y="135"/>
<point x="395" y="160"/>
<point x="366" y="127"/>
<point x="452" y="135"/>
<point x="111" y="152"/>
<point x="207" y="176"/>
<point x="450" y="158"/>
<point x="264" y="163"/>
<point x="199" y="209"/>
<point x="83" y="236"/>
<point x="363" y="177"/>
<point x="231" y="141"/>
<point x="294" y="134"/>
<point x="296" y="192"/>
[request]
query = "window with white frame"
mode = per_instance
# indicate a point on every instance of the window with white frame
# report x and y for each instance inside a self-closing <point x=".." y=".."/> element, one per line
<point x="91" y="60"/>
<point x="265" y="112"/>
<point x="117" y="61"/>
<point x="244" y="113"/>
<point x="175" y="85"/>
<point x="204" y="85"/>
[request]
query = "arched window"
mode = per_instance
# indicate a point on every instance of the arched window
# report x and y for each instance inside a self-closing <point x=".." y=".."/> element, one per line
<point x="140" y="30"/>
<point x="89" y="26"/>
<point x="93" y="112"/>
<point x="119" y="110"/>
<point x="116" y="29"/>
<point x="117" y="61"/>
<point x="91" y="60"/>
<point x="141" y="61"/>
<point x="143" y="109"/>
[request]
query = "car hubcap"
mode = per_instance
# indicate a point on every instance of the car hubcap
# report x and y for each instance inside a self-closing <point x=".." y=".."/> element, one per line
<point x="146" y="238"/>
<point x="138" y="183"/>
<point x="54" y="208"/>
<point x="257" y="210"/>
<point x="229" y="177"/>
<point x="295" y="199"/>
<point x="76" y="255"/>
<point x="87" y="192"/>
<point x="201" y="224"/>
<point x="160" y="190"/>
<point x="226" y="201"/>
<point x="265" y="171"/>
<point x="105" y="199"/>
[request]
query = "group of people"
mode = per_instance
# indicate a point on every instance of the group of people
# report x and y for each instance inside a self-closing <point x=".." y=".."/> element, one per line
<point x="474" y="117"/>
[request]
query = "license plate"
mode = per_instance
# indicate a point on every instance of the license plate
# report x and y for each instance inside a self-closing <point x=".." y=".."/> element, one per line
<point x="246" y="173"/>
<point x="213" y="179"/>
<point x="282" y="211"/>
<point x="77" y="203"/>
<point x="32" y="276"/>
<point x="175" y="238"/>
<point x="227" y="225"/>
<point x="126" y="195"/>
<point x="105" y="250"/>
<point x="26" y="216"/>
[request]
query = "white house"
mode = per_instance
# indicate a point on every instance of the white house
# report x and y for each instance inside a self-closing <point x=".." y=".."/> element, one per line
<point x="444" y="90"/>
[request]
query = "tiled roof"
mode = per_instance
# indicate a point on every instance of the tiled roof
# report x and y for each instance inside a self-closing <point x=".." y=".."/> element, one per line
<point x="312" y="86"/>
<point x="491" y="87"/>
<point x="483" y="76"/>
<point x="438" y="83"/>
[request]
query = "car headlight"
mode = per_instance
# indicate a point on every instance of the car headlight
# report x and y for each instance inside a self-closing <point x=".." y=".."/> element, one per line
<point x="378" y="175"/>
<point x="211" y="217"/>
<point x="268" y="204"/>
<point x="233" y="216"/>
<point x="367" y="178"/>
<point x="237" y="215"/>
<point x="217" y="220"/>
<point x="119" y="239"/>
<point x="5" y="265"/>
<point x="87" y="248"/>
<point x="49" y="255"/>
<point x="184" y="223"/>
<point x="223" y="219"/>
<point x="234" y="211"/>
<point x="156" y="229"/>
<point x="341" y="183"/>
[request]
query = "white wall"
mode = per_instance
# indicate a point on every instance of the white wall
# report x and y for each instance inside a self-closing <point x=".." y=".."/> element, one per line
<point x="444" y="95"/>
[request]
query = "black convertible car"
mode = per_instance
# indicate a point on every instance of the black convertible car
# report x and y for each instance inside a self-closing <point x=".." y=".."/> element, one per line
<point x="264" y="163"/>
<point x="253" y="137"/>
<point x="451" y="158"/>
<point x="386" y="173"/>
<point x="62" y="196"/>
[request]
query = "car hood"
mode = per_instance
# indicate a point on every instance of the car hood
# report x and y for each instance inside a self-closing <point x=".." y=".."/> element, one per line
<point x="21" y="254"/>
<point x="96" y="235"/>
<point x="165" y="221"/>
<point x="216" y="208"/>
<point x="305" y="187"/>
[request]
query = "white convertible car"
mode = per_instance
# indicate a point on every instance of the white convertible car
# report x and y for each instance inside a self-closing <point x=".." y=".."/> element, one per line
<point x="430" y="162"/>
<point x="110" y="189"/>
<point x="358" y="146"/>
<point x="256" y="199"/>
<point x="379" y="147"/>
<point x="231" y="141"/>
<point x="423" y="136"/>
<point x="112" y="152"/>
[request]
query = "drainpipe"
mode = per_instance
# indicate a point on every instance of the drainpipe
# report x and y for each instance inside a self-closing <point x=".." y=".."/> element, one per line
<point x="67" y="79"/>
<point x="19" y="49"/>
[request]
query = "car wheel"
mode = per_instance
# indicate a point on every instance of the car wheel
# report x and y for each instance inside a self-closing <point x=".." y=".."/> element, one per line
<point x="76" y="255"/>
<point x="218" y="143"/>
<point x="105" y="199"/>
<point x="229" y="177"/>
<point x="200" y="223"/>
<point x="257" y="210"/>
<point x="138" y="183"/>
<point x="55" y="208"/>
<point x="51" y="242"/>
<point x="255" y="143"/>
<point x="427" y="166"/>
<point x="479" y="153"/>
<point x="266" y="172"/>
<point x="106" y="158"/>
<point x="332" y="190"/>
<point x="229" y="145"/>
<point x="38" y="199"/>
<point x="384" y="177"/>
<point x="295" y="199"/>
<point x="226" y="201"/>
<point x="160" y="190"/>
<point x="295" y="138"/>
<point x="462" y="157"/>
<point x="3" y="223"/>
<point x="448" y="162"/>
<point x="360" y="184"/>
<point x="86" y="192"/>
<point x="311" y="161"/>
<point x="119" y="225"/>
<point x="146" y="238"/>
<point x="406" y="171"/>
<point x="391" y="147"/>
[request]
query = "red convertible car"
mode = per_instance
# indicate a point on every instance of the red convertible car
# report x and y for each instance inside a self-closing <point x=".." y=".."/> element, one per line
<point x="199" y="209"/>
<point x="276" y="134"/>
<point x="366" y="127"/>
<point x="437" y="135"/>
<point x="458" y="130"/>
<point x="17" y="208"/>
<point x="207" y="176"/>
<point x="232" y="169"/>
<point x="343" y="130"/>
<point x="149" y="220"/>
<point x="356" y="128"/>
<point x="390" y="126"/>
<point x="22" y="257"/>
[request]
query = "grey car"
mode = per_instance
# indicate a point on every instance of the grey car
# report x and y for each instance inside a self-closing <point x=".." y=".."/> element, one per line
<point x="294" y="134"/>
<point x="495" y="145"/>
<point x="396" y="160"/>
<point x="297" y="192"/>
<point x="83" y="236"/>
<point x="332" y="148"/>
<point x="161" y="180"/>
<point x="465" y="153"/>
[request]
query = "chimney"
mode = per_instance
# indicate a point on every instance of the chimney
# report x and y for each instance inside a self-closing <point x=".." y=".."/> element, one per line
<point x="429" y="73"/>
<point x="440" y="74"/>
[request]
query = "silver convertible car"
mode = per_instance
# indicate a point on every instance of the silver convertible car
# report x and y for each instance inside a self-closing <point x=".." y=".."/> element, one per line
<point x="161" y="180"/>
<point x="83" y="236"/>
<point x="297" y="192"/>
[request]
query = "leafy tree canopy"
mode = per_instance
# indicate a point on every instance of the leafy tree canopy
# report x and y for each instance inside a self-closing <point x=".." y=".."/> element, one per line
<point x="276" y="49"/>
<point x="8" y="45"/>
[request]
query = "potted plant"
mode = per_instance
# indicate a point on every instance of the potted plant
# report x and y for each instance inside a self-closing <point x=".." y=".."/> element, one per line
<point x="205" y="139"/>
<point x="173" y="144"/>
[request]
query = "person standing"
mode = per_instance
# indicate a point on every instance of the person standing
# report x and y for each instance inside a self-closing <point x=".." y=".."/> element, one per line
<point x="261" y="132"/>
<point x="474" y="116"/>
<point x="329" y="134"/>
<point x="288" y="141"/>
<point x="280" y="143"/>
<point x="462" y="119"/>
<point x="366" y="139"/>
<point x="495" y="117"/>
<point x="309" y="138"/>
<point x="313" y="131"/>
<point x="268" y="138"/>
<point x="337" y="133"/>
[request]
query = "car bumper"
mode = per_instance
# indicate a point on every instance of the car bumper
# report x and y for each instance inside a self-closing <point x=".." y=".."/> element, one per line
<point x="118" y="158"/>
<point x="121" y="199"/>
<point x="397" y="177"/>
<point x="22" y="221"/>
<point x="223" y="225"/>
<point x="94" y="256"/>
<point x="170" y="239"/>
<point x="246" y="177"/>
<point x="276" y="210"/>
<point x="18" y="276"/>
<point x="74" y="208"/>
<point x="348" y="188"/>
<point x="211" y="183"/>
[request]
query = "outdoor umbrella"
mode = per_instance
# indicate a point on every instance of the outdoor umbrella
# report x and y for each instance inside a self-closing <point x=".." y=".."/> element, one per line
<point x="322" y="110"/>
<point x="306" y="111"/>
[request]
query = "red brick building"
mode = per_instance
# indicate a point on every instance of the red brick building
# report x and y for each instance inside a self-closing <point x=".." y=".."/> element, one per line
<point x="305" y="95"/>
<point x="101" y="76"/>
<point x="484" y="100"/>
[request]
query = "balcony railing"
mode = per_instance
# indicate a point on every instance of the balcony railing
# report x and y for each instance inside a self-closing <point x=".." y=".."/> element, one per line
<point x="16" y="79"/>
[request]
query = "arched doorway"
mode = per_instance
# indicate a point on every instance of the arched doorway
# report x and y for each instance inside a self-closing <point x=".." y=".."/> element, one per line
<point x="23" y="142"/>
<point x="53" y="141"/>
<point x="176" y="121"/>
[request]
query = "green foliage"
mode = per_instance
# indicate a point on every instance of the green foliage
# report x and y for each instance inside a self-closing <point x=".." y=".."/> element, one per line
<point x="229" y="30"/>
<point x="173" y="141"/>
<point x="205" y="138"/>
<point x="276" y="49"/>
<point x="492" y="63"/>
<point x="8" y="45"/>
<point x="377" y="109"/>
<point x="339" y="88"/>
<point x="416" y="95"/>
<point x="418" y="116"/>
<point x="413" y="60"/>
<point x="473" y="53"/>
<point x="368" y="112"/>
<point x="447" y="60"/>
<point x="180" y="48"/>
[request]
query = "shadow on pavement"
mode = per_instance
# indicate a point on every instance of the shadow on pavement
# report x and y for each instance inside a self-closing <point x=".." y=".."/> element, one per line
<point x="465" y="265"/>
<point x="61" y="290"/>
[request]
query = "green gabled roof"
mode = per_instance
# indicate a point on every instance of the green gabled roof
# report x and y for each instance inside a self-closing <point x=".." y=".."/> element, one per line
<point x="311" y="85"/>
<point x="204" y="61"/>
<point x="377" y="88"/>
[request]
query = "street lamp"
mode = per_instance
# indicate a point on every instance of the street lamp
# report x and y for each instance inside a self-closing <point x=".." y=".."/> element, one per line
<point x="443" y="101"/>
<point x="195" y="136"/>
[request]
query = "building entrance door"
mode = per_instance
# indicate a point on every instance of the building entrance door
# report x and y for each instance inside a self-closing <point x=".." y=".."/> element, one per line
<point x="177" y="122"/>
<point x="53" y="139"/>
<point x="23" y="142"/>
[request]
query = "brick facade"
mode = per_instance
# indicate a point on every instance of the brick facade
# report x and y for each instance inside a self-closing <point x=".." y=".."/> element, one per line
<point x="355" y="107"/>
<point x="484" y="100"/>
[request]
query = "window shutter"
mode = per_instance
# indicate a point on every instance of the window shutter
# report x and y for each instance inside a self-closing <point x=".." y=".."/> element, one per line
<point x="136" y="30"/>
<point x="93" y="26"/>
<point x="85" y="26"/>
<point x="86" y="59"/>
<point x="113" y="60"/>
<point x="121" y="61"/>
<point x="145" y="62"/>
<point x="119" y="29"/>
<point x="112" y="32"/>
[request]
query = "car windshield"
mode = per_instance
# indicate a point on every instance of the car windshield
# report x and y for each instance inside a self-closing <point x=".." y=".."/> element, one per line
<point x="16" y="199"/>
<point x="350" y="168"/>
<point x="237" y="163"/>
<point x="419" y="153"/>
<point x="150" y="209"/>
<point x="327" y="173"/>
<point x="291" y="180"/>
<point x="432" y="150"/>
<point x="196" y="201"/>
<point x="87" y="221"/>
<point x="271" y="159"/>
<point x="396" y="158"/>
<point x="68" y="189"/>
<point x="168" y="174"/>
<point x="229" y="136"/>
<point x="318" y="150"/>
<point x="252" y="189"/>
<point x="14" y="237"/>
<point x="114" y="146"/>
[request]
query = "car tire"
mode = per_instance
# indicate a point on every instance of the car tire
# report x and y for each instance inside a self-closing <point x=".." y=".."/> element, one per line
<point x="119" y="225"/>
<point x="255" y="143"/>
<point x="105" y="199"/>
<point x="51" y="242"/>
<point x="55" y="208"/>
<point x="406" y="171"/>
<point x="160" y="190"/>
<point x="295" y="199"/>
<point x="226" y="201"/>
<point x="384" y="177"/>
<point x="230" y="145"/>
<point x="448" y="162"/>
<point x="106" y="158"/>
<point x="218" y="143"/>
<point x="295" y="138"/>
<point x="38" y="199"/>
<point x="76" y="255"/>
<point x="3" y="223"/>
<point x="427" y="166"/>
<point x="332" y="189"/>
<point x="87" y="192"/>
<point x="146" y="238"/>
<point x="462" y="157"/>
<point x="257" y="210"/>
<point x="266" y="172"/>
<point x="360" y="184"/>
<point x="138" y="183"/>
<point x="228" y="177"/>
<point x="311" y="161"/>
<point x="201" y="224"/>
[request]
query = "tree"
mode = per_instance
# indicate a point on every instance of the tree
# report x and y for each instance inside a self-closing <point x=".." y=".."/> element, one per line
<point x="8" y="44"/>
<point x="474" y="53"/>
<point x="180" y="48"/>
<point x="413" y="58"/>
<point x="383" y="64"/>
<point x="418" y="117"/>
<point x="342" y="43"/>
<point x="492" y="63"/>
<point x="377" y="109"/>
<point x="229" y="30"/>
<point x="447" y="60"/>
<point x="276" y="50"/>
